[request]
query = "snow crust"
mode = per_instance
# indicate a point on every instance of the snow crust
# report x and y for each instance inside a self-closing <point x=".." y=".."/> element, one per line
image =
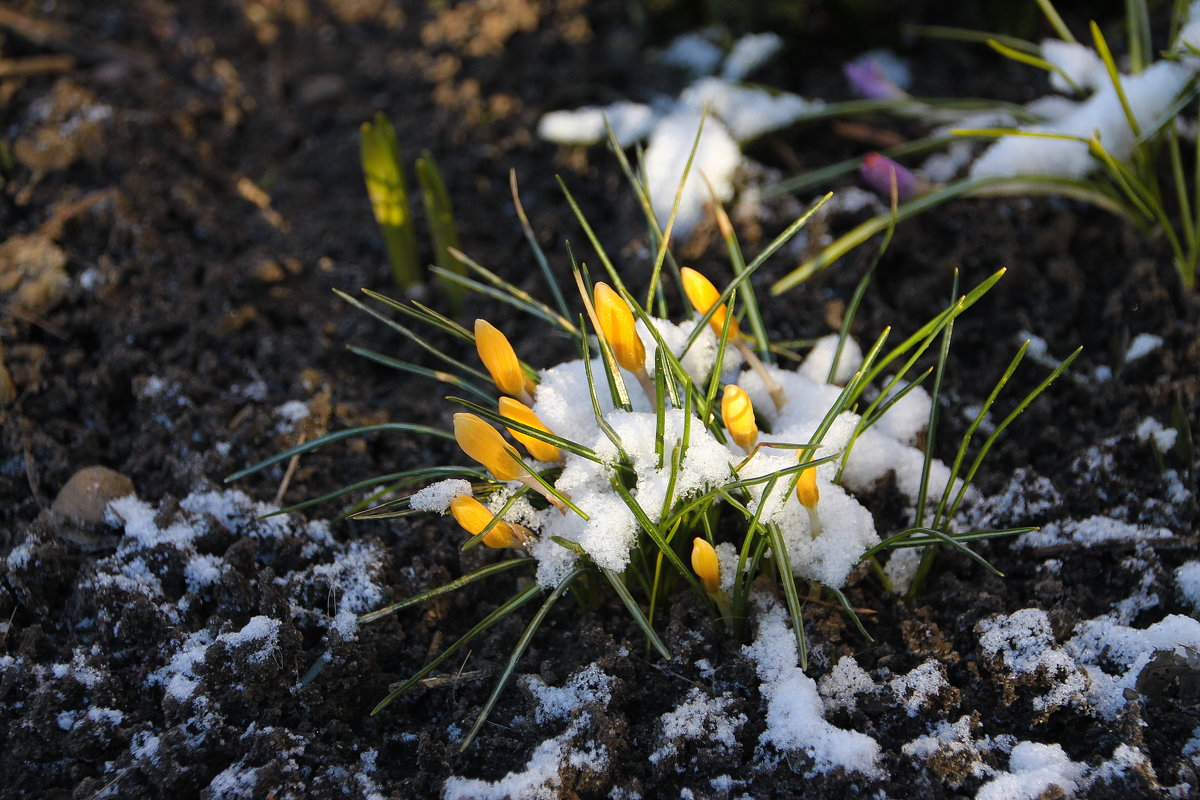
<point x="732" y="113"/>
<point x="1149" y="94"/>
<point x="541" y="778"/>
<point x="698" y="717"/>
<point x="795" y="717"/>
<point x="1033" y="769"/>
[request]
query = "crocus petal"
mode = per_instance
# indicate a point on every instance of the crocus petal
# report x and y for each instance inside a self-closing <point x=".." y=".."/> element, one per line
<point x="878" y="171"/>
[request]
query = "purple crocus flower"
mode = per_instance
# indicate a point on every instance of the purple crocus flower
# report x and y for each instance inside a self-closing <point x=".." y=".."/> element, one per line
<point x="870" y="81"/>
<point x="879" y="172"/>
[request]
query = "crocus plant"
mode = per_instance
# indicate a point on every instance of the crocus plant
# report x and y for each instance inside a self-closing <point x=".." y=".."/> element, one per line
<point x="665" y="438"/>
<point x="1105" y="137"/>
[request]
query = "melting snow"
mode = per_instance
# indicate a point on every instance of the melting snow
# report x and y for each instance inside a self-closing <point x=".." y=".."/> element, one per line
<point x="795" y="715"/>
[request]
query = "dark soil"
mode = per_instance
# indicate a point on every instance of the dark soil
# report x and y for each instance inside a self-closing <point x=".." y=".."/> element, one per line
<point x="183" y="193"/>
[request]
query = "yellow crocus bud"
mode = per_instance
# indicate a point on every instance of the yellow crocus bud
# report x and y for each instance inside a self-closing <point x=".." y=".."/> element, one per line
<point x="706" y="565"/>
<point x="808" y="495"/>
<point x="703" y="295"/>
<point x="474" y="517"/>
<point x="738" y="413"/>
<point x="616" y="325"/>
<point x="484" y="443"/>
<point x="519" y="412"/>
<point x="501" y="360"/>
<point x="806" y="488"/>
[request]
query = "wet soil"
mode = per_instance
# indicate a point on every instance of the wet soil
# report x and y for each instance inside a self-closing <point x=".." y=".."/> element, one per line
<point x="181" y="194"/>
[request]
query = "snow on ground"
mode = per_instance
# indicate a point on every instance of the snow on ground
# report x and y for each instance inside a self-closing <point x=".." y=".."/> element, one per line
<point x="795" y="714"/>
<point x="732" y="113"/>
<point x="173" y="565"/>
<point x="572" y="749"/>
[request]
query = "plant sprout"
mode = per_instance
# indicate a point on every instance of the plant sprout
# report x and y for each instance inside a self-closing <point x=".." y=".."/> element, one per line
<point x="383" y="171"/>
<point x="751" y="468"/>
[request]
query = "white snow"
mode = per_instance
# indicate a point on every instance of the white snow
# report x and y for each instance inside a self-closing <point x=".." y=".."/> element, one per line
<point x="1127" y="651"/>
<point x="698" y="717"/>
<point x="611" y="531"/>
<point x="1024" y="642"/>
<point x="694" y="53"/>
<point x="589" y="685"/>
<point x="1187" y="580"/>
<point x="1080" y="63"/>
<point x="436" y="497"/>
<point x="1142" y="345"/>
<point x="842" y="685"/>
<point x="291" y="414"/>
<point x="795" y="718"/>
<point x="747" y="112"/>
<point x="541" y="778"/>
<point x="717" y="159"/>
<point x="916" y="689"/>
<point x="1033" y="769"/>
<point x="351" y="577"/>
<point x="203" y="570"/>
<point x="260" y="631"/>
<point x="1094" y="530"/>
<point x="1149" y="94"/>
<point x="736" y="112"/>
<point x="1151" y="430"/>
<point x="819" y="360"/>
<point x="236" y="782"/>
<point x="630" y="123"/>
<point x="144" y="745"/>
<point x="956" y="742"/>
<point x="749" y="53"/>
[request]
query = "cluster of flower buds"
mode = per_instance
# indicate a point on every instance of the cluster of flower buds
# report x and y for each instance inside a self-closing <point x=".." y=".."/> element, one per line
<point x="482" y="442"/>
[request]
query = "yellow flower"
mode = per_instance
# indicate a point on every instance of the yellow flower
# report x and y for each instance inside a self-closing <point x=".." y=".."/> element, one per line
<point x="616" y="325"/>
<point x="703" y="295"/>
<point x="484" y="443"/>
<point x="500" y="359"/>
<point x="519" y="412"/>
<point x="806" y="488"/>
<point x="706" y="565"/>
<point x="474" y="517"/>
<point x="738" y="413"/>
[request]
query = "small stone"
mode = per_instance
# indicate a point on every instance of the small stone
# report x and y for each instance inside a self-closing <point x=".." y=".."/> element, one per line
<point x="88" y="492"/>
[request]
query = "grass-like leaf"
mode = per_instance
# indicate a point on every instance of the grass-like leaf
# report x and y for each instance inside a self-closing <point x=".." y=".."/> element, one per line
<point x="337" y="436"/>
<point x="512" y="604"/>
<point x="518" y="651"/>
<point x="442" y="228"/>
<point x="635" y="611"/>
<point x="383" y="169"/>
<point x="446" y="588"/>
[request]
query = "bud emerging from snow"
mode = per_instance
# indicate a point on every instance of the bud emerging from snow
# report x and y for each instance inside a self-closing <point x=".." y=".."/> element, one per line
<point x="738" y="412"/>
<point x="809" y="496"/>
<point x="706" y="565"/>
<point x="878" y="171"/>
<point x="501" y="360"/>
<point x="519" y="412"/>
<point x="617" y="327"/>
<point x="703" y="295"/>
<point x="806" y="488"/>
<point x="474" y="517"/>
<point x="484" y="443"/>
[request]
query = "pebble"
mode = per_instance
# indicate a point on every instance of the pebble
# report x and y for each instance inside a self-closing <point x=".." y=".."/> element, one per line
<point x="88" y="492"/>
